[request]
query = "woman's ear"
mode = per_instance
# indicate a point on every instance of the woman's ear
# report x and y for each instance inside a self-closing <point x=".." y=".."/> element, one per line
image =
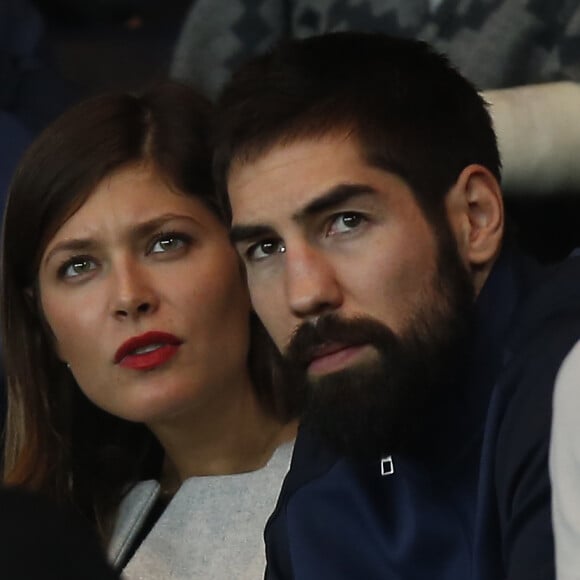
<point x="476" y="214"/>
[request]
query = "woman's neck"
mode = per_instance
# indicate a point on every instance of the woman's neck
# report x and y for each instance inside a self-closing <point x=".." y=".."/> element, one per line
<point x="236" y="436"/>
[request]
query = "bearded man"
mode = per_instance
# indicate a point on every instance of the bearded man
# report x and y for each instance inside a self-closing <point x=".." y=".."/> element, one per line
<point x="362" y="178"/>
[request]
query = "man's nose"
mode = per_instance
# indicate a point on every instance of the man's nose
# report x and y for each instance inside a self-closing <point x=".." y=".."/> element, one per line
<point x="134" y="294"/>
<point x="311" y="284"/>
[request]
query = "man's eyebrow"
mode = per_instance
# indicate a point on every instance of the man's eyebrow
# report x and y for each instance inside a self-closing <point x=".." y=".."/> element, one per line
<point x="332" y="198"/>
<point x="244" y="233"/>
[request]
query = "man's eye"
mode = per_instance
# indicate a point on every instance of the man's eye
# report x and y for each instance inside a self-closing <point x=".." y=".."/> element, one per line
<point x="344" y="223"/>
<point x="77" y="267"/>
<point x="167" y="243"/>
<point x="264" y="249"/>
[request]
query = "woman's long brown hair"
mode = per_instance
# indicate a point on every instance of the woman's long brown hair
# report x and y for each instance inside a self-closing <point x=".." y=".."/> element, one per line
<point x="56" y="441"/>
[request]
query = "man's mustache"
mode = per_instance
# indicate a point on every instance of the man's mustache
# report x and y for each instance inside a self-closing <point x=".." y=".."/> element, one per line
<point x="310" y="337"/>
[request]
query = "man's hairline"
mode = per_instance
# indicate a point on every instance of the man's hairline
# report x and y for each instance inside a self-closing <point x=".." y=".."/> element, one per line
<point x="254" y="150"/>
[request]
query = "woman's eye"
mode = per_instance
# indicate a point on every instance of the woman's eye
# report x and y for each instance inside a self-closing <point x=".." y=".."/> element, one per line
<point x="77" y="267"/>
<point x="264" y="249"/>
<point x="167" y="244"/>
<point x="345" y="222"/>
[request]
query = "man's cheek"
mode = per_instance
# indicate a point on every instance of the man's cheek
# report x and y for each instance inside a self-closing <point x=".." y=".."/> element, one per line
<point x="280" y="335"/>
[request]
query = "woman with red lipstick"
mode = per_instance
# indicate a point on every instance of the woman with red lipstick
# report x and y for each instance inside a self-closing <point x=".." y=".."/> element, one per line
<point x="131" y="351"/>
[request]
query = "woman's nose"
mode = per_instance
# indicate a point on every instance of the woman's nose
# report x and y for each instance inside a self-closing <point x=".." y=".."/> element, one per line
<point x="134" y="292"/>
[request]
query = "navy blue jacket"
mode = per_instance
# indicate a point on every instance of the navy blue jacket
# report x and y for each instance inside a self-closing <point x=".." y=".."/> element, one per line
<point x="475" y="505"/>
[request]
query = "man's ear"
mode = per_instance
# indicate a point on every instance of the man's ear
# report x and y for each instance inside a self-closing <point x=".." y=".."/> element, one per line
<point x="476" y="214"/>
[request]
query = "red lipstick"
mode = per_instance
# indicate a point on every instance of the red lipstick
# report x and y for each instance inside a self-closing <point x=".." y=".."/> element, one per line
<point x="147" y="351"/>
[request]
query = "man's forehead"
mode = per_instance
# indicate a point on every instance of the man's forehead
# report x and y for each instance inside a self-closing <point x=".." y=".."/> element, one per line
<point x="287" y="152"/>
<point x="290" y="174"/>
<point x="243" y="173"/>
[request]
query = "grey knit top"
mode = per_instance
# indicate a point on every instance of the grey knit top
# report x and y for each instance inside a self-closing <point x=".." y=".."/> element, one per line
<point x="212" y="528"/>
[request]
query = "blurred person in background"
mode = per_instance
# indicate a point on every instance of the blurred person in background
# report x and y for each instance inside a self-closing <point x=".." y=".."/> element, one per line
<point x="565" y="467"/>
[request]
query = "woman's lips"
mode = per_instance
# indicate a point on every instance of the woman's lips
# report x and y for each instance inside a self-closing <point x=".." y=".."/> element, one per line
<point x="147" y="351"/>
<point x="149" y="360"/>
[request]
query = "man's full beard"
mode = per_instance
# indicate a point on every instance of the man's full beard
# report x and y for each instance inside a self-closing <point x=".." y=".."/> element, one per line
<point x="383" y="405"/>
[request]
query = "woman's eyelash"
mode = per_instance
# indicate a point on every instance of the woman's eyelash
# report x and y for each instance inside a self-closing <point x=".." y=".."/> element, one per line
<point x="62" y="269"/>
<point x="168" y="235"/>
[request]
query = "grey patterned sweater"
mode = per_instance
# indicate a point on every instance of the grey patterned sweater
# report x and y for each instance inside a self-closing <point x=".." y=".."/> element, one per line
<point x="494" y="43"/>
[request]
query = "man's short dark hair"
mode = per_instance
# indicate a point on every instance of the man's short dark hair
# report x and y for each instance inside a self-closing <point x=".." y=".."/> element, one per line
<point x="411" y="111"/>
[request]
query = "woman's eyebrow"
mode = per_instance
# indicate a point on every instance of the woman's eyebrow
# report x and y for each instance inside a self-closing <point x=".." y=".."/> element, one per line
<point x="150" y="226"/>
<point x="71" y="245"/>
